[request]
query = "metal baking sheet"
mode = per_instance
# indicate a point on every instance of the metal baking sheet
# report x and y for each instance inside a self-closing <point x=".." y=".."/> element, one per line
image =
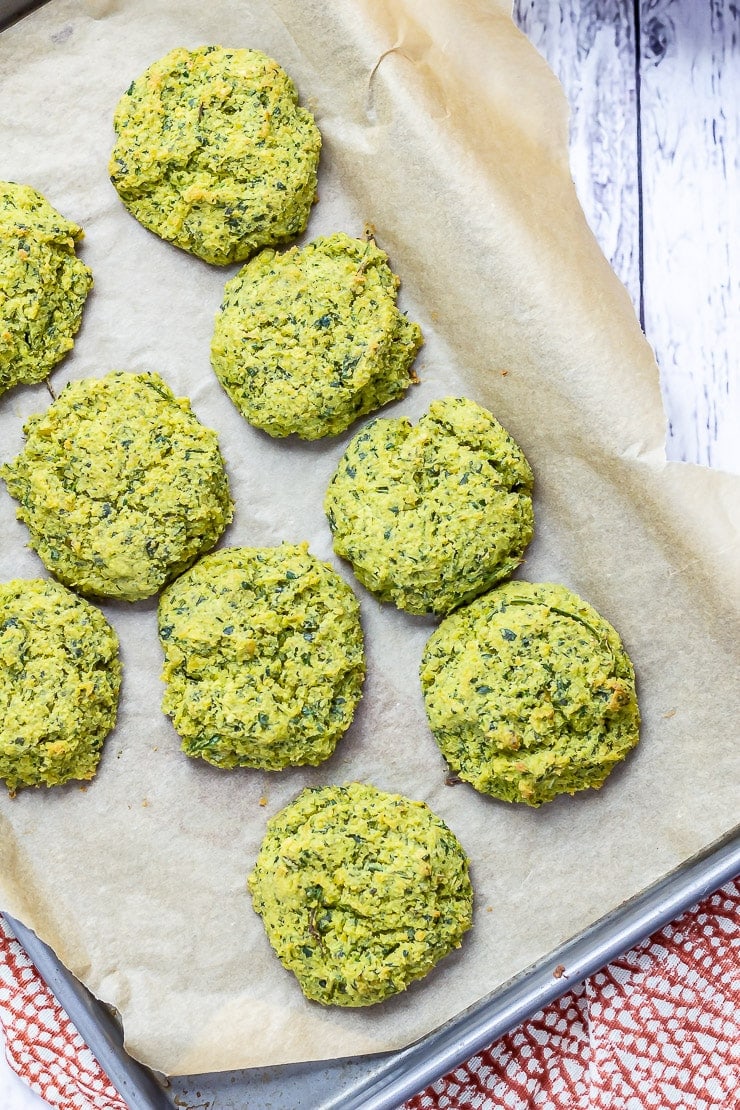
<point x="11" y="10"/>
<point x="383" y="1082"/>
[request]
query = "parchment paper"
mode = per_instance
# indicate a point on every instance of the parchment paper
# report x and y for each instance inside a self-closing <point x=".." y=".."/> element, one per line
<point x="444" y="129"/>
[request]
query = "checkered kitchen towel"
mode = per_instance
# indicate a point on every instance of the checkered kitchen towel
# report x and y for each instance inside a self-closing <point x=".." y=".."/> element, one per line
<point x="658" y="1028"/>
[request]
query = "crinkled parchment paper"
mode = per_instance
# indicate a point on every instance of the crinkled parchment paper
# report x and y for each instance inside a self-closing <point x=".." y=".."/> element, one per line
<point x="444" y="130"/>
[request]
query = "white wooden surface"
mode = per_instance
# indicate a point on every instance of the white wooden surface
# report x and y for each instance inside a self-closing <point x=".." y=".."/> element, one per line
<point x="591" y="48"/>
<point x="654" y="90"/>
<point x="690" y="113"/>
<point x="655" y="153"/>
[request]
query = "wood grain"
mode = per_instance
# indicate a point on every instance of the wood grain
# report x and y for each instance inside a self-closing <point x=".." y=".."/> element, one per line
<point x="690" y="107"/>
<point x="591" y="48"/>
<point x="654" y="90"/>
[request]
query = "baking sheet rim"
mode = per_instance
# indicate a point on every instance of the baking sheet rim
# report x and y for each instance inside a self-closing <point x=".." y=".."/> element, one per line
<point x="392" y="1078"/>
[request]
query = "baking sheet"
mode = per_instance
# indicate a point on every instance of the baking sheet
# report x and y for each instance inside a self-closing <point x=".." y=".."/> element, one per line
<point x="382" y="1082"/>
<point x="444" y="129"/>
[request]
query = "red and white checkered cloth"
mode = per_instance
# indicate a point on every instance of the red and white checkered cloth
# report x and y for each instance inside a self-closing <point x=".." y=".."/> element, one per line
<point x="658" y="1028"/>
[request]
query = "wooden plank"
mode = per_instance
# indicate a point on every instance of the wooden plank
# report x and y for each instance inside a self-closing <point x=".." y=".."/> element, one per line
<point x="591" y="47"/>
<point x="690" y="107"/>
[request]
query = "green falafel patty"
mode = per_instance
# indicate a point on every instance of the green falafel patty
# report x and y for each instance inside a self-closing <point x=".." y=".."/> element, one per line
<point x="120" y="485"/>
<point x="308" y="340"/>
<point x="214" y="154"/>
<point x="360" y="892"/>
<point x="43" y="285"/>
<point x="432" y="514"/>
<point x="59" y="681"/>
<point x="264" y="657"/>
<point x="529" y="693"/>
